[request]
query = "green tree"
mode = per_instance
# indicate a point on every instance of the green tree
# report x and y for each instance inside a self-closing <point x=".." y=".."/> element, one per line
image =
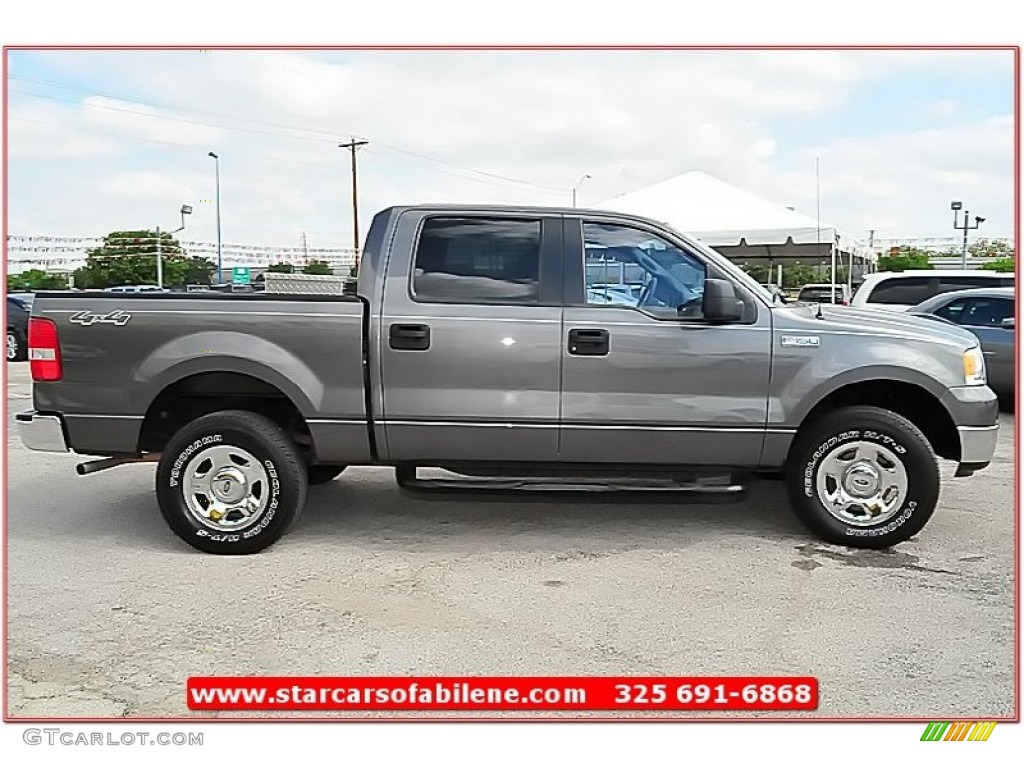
<point x="128" y="257"/>
<point x="900" y="259"/>
<point x="1001" y="265"/>
<point x="317" y="268"/>
<point x="199" y="271"/>
<point x="759" y="272"/>
<point x="285" y="269"/>
<point x="991" y="249"/>
<point x="36" y="280"/>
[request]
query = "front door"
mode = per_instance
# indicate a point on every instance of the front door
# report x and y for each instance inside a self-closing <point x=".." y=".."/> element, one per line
<point x="645" y="380"/>
<point x="470" y="338"/>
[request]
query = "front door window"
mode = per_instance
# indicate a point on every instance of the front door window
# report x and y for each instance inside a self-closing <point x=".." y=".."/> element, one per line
<point x="629" y="267"/>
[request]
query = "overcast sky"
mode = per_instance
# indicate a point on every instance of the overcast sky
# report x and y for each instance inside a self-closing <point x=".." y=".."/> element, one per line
<point x="118" y="140"/>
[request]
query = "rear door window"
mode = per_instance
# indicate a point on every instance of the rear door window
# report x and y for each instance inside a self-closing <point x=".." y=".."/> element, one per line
<point x="477" y="260"/>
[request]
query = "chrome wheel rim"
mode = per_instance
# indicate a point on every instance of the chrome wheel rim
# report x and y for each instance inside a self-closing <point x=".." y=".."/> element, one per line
<point x="862" y="484"/>
<point x="12" y="346"/>
<point x="226" y="488"/>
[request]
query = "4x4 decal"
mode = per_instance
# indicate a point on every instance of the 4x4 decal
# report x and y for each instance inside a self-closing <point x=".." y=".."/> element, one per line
<point x="85" y="317"/>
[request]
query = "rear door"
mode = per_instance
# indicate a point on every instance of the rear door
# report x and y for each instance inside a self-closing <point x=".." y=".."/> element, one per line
<point x="646" y="380"/>
<point x="470" y="338"/>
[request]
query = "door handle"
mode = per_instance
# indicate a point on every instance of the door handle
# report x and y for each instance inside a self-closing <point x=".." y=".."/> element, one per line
<point x="588" y="341"/>
<point x="409" y="336"/>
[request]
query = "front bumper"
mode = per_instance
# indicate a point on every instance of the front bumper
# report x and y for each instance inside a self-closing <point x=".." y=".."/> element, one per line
<point x="42" y="432"/>
<point x="975" y="411"/>
<point x="977" y="447"/>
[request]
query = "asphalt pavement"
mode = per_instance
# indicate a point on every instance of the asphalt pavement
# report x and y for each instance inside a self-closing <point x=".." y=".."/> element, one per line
<point x="109" y="613"/>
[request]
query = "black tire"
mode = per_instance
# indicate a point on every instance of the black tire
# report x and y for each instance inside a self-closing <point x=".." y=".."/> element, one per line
<point x="279" y="487"/>
<point x="16" y="347"/>
<point x="865" y="426"/>
<point x="318" y="474"/>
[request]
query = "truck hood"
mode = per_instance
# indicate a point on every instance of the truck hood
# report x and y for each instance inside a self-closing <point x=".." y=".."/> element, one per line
<point x="871" y="322"/>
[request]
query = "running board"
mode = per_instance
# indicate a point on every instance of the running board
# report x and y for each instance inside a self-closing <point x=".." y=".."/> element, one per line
<point x="716" y="485"/>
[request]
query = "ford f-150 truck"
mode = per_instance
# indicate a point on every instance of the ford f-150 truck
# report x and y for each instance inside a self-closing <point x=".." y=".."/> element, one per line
<point x="485" y="341"/>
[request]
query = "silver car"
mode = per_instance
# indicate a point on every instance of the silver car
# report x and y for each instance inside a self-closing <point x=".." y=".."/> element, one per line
<point x="988" y="313"/>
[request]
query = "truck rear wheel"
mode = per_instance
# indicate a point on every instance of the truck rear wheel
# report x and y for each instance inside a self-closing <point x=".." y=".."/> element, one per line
<point x="863" y="477"/>
<point x="230" y="483"/>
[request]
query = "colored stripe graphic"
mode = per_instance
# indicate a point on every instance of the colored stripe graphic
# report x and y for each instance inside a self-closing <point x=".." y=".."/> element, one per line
<point x="959" y="731"/>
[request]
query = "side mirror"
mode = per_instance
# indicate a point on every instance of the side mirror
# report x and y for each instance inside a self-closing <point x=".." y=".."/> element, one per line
<point x="1008" y="322"/>
<point x="720" y="304"/>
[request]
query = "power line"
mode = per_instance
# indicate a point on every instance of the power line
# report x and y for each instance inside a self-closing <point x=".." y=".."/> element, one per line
<point x="191" y="147"/>
<point x="291" y="128"/>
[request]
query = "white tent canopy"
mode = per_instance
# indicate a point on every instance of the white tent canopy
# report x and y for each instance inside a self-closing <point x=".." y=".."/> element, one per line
<point x="735" y="222"/>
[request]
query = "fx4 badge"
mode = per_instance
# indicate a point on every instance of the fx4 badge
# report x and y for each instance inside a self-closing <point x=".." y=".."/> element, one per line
<point x="85" y="317"/>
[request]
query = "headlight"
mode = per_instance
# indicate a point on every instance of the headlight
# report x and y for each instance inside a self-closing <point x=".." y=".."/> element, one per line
<point x="974" y="366"/>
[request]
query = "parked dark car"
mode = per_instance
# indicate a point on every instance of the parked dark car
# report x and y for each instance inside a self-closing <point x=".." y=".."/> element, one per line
<point x="19" y="307"/>
<point x="988" y="313"/>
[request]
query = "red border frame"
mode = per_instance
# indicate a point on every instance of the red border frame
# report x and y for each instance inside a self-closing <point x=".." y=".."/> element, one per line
<point x="1016" y="49"/>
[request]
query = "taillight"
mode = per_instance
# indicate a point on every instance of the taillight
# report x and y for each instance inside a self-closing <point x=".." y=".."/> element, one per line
<point x="44" y="350"/>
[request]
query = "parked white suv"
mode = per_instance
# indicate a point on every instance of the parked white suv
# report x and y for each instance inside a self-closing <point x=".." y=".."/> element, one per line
<point x="902" y="290"/>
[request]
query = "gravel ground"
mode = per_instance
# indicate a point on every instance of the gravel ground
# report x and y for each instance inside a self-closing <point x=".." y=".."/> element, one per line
<point x="108" y="612"/>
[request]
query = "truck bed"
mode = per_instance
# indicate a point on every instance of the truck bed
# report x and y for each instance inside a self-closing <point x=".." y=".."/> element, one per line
<point x="123" y="354"/>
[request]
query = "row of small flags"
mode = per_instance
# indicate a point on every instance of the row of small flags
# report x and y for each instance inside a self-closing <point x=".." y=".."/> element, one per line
<point x="962" y="731"/>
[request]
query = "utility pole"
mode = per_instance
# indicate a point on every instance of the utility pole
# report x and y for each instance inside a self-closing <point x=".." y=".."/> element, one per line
<point x="352" y="146"/>
<point x="305" y="248"/>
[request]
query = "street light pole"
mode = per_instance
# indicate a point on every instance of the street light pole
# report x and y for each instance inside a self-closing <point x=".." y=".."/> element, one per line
<point x="159" y="262"/>
<point x="220" y="275"/>
<point x="185" y="211"/>
<point x="578" y="185"/>
<point x="956" y="206"/>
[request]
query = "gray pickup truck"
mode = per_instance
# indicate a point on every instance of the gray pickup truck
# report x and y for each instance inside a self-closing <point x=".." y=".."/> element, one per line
<point x="512" y="346"/>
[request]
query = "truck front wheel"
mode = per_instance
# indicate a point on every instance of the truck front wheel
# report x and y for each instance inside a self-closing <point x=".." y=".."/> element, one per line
<point x="230" y="483"/>
<point x="863" y="477"/>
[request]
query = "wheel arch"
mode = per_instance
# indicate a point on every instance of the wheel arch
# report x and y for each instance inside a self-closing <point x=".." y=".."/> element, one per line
<point x="913" y="400"/>
<point x="236" y="352"/>
<point x="196" y="394"/>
